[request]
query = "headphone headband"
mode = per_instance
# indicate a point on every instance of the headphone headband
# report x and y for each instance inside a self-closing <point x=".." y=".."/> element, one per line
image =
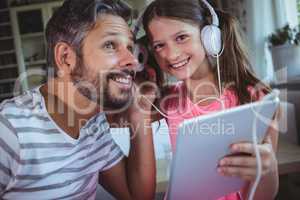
<point x="215" y="19"/>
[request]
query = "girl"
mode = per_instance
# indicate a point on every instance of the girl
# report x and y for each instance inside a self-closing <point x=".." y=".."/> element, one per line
<point x="173" y="28"/>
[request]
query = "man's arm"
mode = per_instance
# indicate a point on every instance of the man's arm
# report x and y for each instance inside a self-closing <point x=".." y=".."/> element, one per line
<point x="141" y="161"/>
<point x="134" y="177"/>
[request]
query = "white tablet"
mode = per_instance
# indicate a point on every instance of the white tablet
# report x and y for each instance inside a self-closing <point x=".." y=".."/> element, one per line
<point x="204" y="140"/>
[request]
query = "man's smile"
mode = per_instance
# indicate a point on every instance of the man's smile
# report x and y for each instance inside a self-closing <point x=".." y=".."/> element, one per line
<point x="123" y="79"/>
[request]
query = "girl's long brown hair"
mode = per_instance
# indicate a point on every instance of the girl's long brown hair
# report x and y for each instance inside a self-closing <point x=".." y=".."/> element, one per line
<point x="235" y="67"/>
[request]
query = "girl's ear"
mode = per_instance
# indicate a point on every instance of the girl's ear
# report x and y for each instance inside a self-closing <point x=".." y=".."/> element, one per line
<point x="65" y="58"/>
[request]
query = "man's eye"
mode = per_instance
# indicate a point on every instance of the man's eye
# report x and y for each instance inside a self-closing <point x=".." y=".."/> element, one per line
<point x="109" y="45"/>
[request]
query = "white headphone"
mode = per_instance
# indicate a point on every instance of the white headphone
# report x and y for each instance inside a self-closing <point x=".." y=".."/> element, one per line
<point x="211" y="34"/>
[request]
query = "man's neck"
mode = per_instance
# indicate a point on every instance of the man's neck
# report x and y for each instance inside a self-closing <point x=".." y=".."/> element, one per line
<point x="66" y="104"/>
<point x="68" y="94"/>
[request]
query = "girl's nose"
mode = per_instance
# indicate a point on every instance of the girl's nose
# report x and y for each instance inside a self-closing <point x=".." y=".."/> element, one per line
<point x="172" y="53"/>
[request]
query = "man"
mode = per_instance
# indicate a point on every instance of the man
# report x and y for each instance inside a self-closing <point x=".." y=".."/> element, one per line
<point x="54" y="140"/>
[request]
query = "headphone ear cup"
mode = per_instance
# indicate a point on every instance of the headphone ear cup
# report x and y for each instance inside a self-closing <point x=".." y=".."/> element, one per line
<point x="211" y="39"/>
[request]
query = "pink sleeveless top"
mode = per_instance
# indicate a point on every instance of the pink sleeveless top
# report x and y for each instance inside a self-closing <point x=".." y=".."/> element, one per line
<point x="179" y="107"/>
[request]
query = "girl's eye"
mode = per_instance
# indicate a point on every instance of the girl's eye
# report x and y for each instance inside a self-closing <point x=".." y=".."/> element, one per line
<point x="109" y="45"/>
<point x="157" y="47"/>
<point x="181" y="38"/>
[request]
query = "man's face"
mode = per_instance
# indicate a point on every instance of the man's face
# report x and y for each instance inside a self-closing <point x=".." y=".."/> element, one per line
<point x="106" y="68"/>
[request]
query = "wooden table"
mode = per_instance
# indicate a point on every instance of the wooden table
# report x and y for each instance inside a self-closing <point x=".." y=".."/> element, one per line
<point x="288" y="157"/>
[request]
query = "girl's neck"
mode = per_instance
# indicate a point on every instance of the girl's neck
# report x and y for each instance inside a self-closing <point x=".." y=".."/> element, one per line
<point x="201" y="88"/>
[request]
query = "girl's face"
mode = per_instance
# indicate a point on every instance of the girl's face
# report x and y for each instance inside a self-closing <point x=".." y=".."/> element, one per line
<point x="177" y="47"/>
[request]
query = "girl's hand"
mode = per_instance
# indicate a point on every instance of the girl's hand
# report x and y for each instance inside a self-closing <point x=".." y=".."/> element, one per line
<point x="243" y="161"/>
<point x="145" y="93"/>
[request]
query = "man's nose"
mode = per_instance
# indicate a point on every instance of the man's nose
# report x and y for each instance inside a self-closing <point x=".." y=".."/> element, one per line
<point x="128" y="60"/>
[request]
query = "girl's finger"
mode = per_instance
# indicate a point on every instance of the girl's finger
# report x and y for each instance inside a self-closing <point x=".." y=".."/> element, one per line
<point x="248" y="148"/>
<point x="242" y="147"/>
<point x="237" y="171"/>
<point x="242" y="161"/>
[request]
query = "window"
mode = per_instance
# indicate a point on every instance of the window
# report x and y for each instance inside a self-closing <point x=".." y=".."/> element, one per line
<point x="290" y="13"/>
<point x="298" y="6"/>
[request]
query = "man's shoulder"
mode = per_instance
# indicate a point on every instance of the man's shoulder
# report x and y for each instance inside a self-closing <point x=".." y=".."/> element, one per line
<point x="29" y="100"/>
<point x="23" y="109"/>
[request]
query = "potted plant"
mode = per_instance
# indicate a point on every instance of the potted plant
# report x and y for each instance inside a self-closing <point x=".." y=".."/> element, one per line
<point x="285" y="48"/>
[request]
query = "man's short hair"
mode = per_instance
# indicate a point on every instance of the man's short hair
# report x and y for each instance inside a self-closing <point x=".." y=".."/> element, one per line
<point x="75" y="18"/>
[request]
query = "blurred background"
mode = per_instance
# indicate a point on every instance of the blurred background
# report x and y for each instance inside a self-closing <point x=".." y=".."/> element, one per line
<point x="271" y="31"/>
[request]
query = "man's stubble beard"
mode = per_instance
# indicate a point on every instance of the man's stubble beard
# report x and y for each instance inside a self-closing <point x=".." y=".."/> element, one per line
<point x="115" y="104"/>
<point x="92" y="90"/>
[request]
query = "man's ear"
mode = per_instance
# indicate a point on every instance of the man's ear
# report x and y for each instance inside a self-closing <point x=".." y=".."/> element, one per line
<point x="65" y="57"/>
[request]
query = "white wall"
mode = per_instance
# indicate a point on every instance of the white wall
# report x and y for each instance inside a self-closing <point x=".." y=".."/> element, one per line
<point x="264" y="17"/>
<point x="292" y="12"/>
<point x="261" y="22"/>
<point x="286" y="12"/>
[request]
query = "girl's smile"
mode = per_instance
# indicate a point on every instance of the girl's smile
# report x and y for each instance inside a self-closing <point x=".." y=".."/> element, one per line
<point x="177" y="47"/>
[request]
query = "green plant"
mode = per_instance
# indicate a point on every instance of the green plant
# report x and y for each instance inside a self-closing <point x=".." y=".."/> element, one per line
<point x="285" y="35"/>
